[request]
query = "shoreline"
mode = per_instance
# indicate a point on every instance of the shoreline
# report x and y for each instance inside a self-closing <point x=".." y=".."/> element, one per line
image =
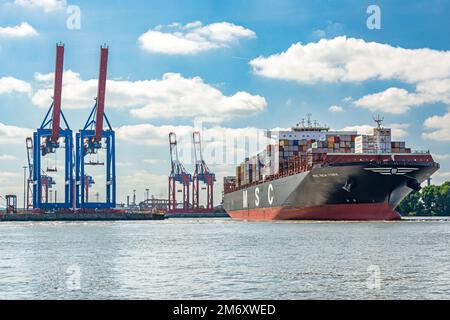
<point x="98" y="216"/>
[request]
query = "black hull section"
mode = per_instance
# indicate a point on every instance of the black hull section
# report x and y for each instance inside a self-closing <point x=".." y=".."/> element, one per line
<point x="344" y="186"/>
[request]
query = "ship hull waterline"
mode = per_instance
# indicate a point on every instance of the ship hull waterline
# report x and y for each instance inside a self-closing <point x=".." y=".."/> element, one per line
<point x="338" y="212"/>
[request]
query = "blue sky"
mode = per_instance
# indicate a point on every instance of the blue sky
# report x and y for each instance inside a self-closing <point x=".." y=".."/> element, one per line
<point x="214" y="61"/>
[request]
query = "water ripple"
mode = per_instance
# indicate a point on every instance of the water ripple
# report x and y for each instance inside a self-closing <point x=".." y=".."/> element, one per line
<point x="225" y="259"/>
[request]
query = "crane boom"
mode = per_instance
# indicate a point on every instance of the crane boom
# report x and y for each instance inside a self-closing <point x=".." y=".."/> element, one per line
<point x="57" y="91"/>
<point x="197" y="147"/>
<point x="173" y="150"/>
<point x="201" y="169"/>
<point x="201" y="173"/>
<point x="101" y="94"/>
<point x="200" y="165"/>
<point x="177" y="174"/>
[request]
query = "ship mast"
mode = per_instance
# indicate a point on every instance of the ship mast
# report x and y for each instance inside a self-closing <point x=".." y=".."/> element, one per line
<point x="379" y="121"/>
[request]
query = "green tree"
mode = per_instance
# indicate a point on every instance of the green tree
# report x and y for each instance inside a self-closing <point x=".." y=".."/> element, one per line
<point x="431" y="200"/>
<point x="411" y="205"/>
<point x="443" y="199"/>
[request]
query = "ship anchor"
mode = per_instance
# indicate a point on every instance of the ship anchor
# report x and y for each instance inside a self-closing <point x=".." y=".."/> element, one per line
<point x="348" y="185"/>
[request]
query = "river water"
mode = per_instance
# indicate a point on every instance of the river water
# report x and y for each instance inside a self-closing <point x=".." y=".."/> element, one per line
<point x="225" y="259"/>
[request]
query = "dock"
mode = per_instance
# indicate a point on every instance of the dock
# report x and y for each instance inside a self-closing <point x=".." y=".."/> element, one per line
<point x="76" y="216"/>
<point x="105" y="216"/>
<point x="198" y="215"/>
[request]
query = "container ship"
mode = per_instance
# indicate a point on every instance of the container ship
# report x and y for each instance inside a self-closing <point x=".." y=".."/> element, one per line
<point x="312" y="173"/>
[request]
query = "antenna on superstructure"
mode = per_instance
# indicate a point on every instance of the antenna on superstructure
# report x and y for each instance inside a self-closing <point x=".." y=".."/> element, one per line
<point x="308" y="116"/>
<point x="378" y="120"/>
<point x="310" y="125"/>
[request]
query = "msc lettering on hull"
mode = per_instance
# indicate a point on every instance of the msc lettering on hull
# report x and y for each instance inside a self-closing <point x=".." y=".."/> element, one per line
<point x="269" y="193"/>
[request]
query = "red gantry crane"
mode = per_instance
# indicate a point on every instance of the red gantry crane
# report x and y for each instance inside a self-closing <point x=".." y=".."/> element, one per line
<point x="46" y="140"/>
<point x="201" y="173"/>
<point x="92" y="138"/>
<point x="177" y="174"/>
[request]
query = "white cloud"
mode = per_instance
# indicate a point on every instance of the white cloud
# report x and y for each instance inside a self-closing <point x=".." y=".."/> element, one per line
<point x="319" y="33"/>
<point x="398" y="100"/>
<point x="12" y="183"/>
<point x="151" y="161"/>
<point x="123" y="164"/>
<point x="331" y="29"/>
<point x="6" y="176"/>
<point x="347" y="99"/>
<point x="345" y="59"/>
<point x="140" y="180"/>
<point x="336" y="109"/>
<point x="7" y="157"/>
<point x="440" y="126"/>
<point x="440" y="177"/>
<point x="10" y="85"/>
<point x="361" y="129"/>
<point x="20" y="31"/>
<point x="353" y="60"/>
<point x="169" y="97"/>
<point x="437" y="156"/>
<point x="13" y="135"/>
<point x="192" y="37"/>
<point x="46" y="5"/>
<point x="398" y="130"/>
<point x="392" y="100"/>
<point x="150" y="135"/>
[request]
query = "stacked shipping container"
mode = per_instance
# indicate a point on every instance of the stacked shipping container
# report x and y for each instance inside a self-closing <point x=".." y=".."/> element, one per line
<point x="313" y="146"/>
<point x="291" y="146"/>
<point x="382" y="140"/>
<point x="399" y="147"/>
<point x="229" y="183"/>
<point x="365" y="144"/>
<point x="342" y="143"/>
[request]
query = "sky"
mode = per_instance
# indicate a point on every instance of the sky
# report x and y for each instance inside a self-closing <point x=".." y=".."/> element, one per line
<point x="230" y="69"/>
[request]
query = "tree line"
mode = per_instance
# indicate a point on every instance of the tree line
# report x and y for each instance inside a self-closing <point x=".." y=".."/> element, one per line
<point x="432" y="200"/>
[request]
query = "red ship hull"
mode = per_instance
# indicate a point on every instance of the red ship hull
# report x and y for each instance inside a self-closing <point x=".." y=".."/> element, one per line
<point x="355" y="212"/>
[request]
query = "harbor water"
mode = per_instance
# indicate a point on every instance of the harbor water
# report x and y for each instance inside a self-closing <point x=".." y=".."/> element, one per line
<point x="225" y="259"/>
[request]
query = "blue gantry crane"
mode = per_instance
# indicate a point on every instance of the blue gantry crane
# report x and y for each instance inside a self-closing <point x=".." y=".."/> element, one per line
<point x="177" y="174"/>
<point x="46" y="141"/>
<point x="92" y="138"/>
<point x="203" y="174"/>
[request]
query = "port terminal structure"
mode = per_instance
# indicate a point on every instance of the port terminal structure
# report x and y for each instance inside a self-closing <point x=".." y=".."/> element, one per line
<point x="46" y="141"/>
<point x="92" y="138"/>
<point x="180" y="177"/>
<point x="55" y="133"/>
<point x="201" y="174"/>
<point x="97" y="136"/>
